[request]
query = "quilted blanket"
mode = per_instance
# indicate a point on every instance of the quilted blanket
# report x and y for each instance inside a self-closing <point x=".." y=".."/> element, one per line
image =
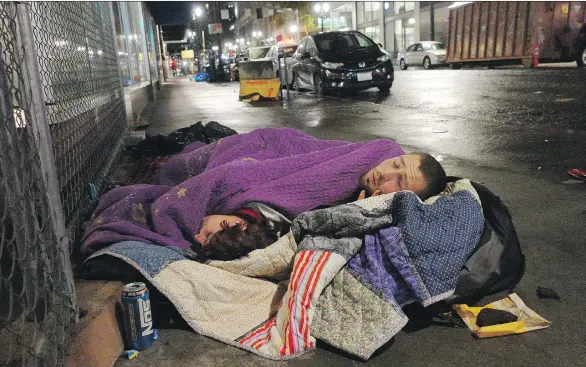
<point x="355" y="266"/>
<point x="283" y="168"/>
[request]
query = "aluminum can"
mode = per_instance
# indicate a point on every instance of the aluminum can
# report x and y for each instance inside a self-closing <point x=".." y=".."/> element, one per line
<point x="138" y="317"/>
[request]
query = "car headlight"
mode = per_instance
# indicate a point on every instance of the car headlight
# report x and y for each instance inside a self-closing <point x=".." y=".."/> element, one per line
<point x="332" y="65"/>
<point x="383" y="58"/>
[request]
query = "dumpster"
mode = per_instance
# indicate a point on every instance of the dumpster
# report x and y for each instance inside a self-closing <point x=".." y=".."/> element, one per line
<point x="258" y="81"/>
<point x="517" y="32"/>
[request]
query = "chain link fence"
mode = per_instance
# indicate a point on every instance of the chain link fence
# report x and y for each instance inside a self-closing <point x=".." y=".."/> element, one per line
<point x="84" y="100"/>
<point x="62" y="123"/>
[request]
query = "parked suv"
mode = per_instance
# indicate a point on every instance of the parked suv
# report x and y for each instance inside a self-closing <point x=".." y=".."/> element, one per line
<point x="343" y="60"/>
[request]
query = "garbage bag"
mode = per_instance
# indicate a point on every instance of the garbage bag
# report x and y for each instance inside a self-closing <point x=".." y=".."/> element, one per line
<point x="216" y="131"/>
<point x="160" y="145"/>
<point x="497" y="264"/>
<point x="202" y="77"/>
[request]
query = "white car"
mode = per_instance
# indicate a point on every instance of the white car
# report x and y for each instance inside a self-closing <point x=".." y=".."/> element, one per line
<point x="426" y="53"/>
<point x="288" y="51"/>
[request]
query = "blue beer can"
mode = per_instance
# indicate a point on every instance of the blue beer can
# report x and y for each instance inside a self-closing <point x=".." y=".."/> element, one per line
<point x="138" y="318"/>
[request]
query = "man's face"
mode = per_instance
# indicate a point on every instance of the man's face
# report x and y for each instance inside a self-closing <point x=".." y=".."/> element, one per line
<point x="213" y="223"/>
<point x="395" y="174"/>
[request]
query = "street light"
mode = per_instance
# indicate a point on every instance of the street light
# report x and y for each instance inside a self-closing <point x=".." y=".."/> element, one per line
<point x="293" y="28"/>
<point x="197" y="12"/>
<point x="257" y="35"/>
<point x="321" y="10"/>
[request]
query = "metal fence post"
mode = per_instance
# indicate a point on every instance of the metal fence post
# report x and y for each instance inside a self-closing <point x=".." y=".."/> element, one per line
<point x="41" y="137"/>
<point x="286" y="76"/>
<point x="280" y="71"/>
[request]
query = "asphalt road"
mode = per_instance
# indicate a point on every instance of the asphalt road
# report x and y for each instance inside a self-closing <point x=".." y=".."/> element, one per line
<point x="517" y="131"/>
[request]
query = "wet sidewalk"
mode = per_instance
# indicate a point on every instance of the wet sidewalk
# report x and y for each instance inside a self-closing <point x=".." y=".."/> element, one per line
<point x="549" y="216"/>
<point x="183" y="102"/>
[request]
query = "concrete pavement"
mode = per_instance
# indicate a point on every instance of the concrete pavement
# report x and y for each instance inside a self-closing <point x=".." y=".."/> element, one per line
<point x="516" y="131"/>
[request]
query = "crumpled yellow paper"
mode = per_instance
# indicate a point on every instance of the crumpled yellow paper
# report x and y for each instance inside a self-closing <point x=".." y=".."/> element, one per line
<point x="528" y="320"/>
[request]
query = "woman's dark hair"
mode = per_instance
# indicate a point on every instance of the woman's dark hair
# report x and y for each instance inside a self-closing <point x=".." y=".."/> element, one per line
<point x="233" y="242"/>
<point x="434" y="174"/>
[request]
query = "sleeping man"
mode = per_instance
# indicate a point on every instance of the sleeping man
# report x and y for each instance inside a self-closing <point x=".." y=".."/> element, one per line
<point x="283" y="169"/>
<point x="228" y="237"/>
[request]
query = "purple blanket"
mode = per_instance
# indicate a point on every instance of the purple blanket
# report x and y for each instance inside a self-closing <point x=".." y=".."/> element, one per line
<point x="283" y="168"/>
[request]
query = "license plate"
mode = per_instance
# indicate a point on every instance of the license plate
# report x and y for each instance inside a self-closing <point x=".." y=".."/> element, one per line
<point x="364" y="76"/>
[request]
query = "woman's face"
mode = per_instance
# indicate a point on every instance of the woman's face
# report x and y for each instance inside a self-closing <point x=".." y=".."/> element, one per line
<point x="213" y="223"/>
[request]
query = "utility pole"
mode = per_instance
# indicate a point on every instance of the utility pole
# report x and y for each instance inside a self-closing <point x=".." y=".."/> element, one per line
<point x="297" y="40"/>
<point x="218" y="16"/>
<point x="196" y="16"/>
<point x="431" y="22"/>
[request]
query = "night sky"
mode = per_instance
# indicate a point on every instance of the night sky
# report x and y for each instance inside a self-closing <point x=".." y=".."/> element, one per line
<point x="173" y="16"/>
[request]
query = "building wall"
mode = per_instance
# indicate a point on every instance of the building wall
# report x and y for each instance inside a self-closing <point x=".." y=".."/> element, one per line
<point x="441" y="22"/>
<point x="369" y="18"/>
<point x="248" y="21"/>
<point x="402" y="22"/>
<point x="394" y="24"/>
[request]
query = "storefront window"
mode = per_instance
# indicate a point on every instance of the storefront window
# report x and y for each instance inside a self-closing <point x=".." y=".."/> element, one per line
<point x="399" y="44"/>
<point x="342" y="17"/>
<point x="123" y="58"/>
<point x="389" y="38"/>
<point x="151" y="47"/>
<point x="372" y="32"/>
<point x="368" y="11"/>
<point x="404" y="35"/>
<point x="360" y="12"/>
<point x="409" y="33"/>
<point x="132" y="43"/>
<point x="388" y="7"/>
<point x="399" y="7"/>
<point x="374" y="10"/>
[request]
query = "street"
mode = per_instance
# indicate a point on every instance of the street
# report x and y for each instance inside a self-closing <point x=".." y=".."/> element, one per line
<point x="518" y="131"/>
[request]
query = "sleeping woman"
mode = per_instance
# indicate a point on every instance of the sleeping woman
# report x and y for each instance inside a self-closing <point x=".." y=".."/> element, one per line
<point x="229" y="237"/>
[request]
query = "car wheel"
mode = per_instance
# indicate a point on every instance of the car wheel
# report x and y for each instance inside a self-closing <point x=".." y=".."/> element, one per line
<point x="295" y="83"/>
<point x="385" y="88"/>
<point x="318" y="85"/>
<point x="582" y="57"/>
<point x="426" y="63"/>
<point x="402" y="64"/>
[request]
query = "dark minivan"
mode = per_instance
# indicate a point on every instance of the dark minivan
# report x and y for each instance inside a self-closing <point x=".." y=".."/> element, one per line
<point x="343" y="60"/>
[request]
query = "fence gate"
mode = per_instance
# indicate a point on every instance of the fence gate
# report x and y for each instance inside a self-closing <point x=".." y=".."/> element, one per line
<point x="61" y="127"/>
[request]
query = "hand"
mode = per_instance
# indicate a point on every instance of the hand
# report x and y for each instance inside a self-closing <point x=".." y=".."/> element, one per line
<point x="362" y="195"/>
